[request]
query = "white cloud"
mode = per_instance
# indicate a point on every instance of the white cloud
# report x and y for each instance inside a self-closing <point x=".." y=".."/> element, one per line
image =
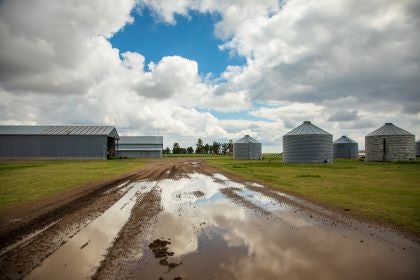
<point x="306" y="60"/>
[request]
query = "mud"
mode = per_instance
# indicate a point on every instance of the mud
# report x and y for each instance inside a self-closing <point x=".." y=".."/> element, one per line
<point x="179" y="219"/>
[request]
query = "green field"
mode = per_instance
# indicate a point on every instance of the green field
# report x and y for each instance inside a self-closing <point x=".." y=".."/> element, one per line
<point x="26" y="181"/>
<point x="387" y="193"/>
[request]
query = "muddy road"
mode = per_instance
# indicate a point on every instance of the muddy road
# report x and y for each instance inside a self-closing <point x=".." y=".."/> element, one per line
<point x="180" y="219"/>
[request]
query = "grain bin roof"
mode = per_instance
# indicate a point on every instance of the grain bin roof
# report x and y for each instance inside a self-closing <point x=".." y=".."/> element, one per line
<point x="155" y="140"/>
<point x="389" y="129"/>
<point x="59" y="130"/>
<point x="307" y="128"/>
<point x="247" y="139"/>
<point x="344" y="140"/>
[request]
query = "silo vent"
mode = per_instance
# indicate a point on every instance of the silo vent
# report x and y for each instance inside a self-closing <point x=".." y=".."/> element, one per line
<point x="388" y="123"/>
<point x="307" y="122"/>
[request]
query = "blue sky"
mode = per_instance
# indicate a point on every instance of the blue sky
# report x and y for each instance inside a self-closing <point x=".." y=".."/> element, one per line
<point x="297" y="55"/>
<point x="191" y="37"/>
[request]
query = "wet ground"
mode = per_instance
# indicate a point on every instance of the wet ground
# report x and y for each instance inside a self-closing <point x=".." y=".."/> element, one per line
<point x="184" y="220"/>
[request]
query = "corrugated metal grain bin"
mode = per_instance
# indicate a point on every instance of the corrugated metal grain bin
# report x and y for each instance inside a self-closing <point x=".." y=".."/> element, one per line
<point x="390" y="143"/>
<point x="247" y="148"/>
<point x="140" y="146"/>
<point x="307" y="143"/>
<point x="344" y="147"/>
<point x="418" y="148"/>
<point x="57" y="142"/>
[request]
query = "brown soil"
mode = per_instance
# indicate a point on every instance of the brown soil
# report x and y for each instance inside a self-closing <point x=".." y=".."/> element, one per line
<point x="122" y="255"/>
<point x="28" y="217"/>
<point x="72" y="212"/>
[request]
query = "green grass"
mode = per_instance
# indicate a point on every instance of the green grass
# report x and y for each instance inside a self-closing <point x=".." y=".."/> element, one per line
<point x="27" y="181"/>
<point x="384" y="192"/>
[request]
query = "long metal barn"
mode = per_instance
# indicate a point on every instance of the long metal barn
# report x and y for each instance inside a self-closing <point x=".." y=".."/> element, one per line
<point x="140" y="146"/>
<point x="57" y="142"/>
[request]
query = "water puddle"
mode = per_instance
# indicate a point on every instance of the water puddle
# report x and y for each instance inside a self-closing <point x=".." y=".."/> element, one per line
<point x="212" y="236"/>
<point x="81" y="255"/>
<point x="213" y="228"/>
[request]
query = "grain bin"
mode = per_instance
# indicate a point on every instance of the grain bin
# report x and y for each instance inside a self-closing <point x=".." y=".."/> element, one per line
<point x="344" y="147"/>
<point x="418" y="148"/>
<point x="307" y="143"/>
<point x="390" y="143"/>
<point x="247" y="148"/>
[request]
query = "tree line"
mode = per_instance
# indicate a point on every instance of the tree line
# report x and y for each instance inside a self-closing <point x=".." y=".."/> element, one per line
<point x="201" y="148"/>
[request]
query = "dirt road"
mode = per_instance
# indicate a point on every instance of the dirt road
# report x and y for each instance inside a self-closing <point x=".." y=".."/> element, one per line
<point x="180" y="219"/>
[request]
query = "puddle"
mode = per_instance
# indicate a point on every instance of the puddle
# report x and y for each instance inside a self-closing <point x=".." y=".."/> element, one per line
<point x="81" y="255"/>
<point x="213" y="237"/>
<point x="212" y="228"/>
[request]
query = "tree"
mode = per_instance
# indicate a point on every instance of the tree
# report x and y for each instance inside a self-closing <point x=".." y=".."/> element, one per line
<point x="190" y="150"/>
<point x="206" y="149"/>
<point x="199" y="149"/>
<point x="230" y="147"/>
<point x="225" y="148"/>
<point x="216" y="148"/>
<point x="176" y="148"/>
<point x="167" y="151"/>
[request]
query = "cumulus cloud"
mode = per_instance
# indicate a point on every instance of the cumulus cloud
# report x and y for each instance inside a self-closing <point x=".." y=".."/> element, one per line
<point x="346" y="66"/>
<point x="344" y="116"/>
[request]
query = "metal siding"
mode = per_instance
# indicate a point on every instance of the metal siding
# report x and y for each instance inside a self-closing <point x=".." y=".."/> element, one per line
<point x="397" y="147"/>
<point x="346" y="150"/>
<point x="311" y="148"/>
<point x="140" y="154"/>
<point x="418" y="148"/>
<point x="247" y="151"/>
<point x="53" y="146"/>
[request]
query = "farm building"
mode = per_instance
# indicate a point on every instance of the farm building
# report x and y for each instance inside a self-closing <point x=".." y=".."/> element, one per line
<point x="344" y="147"/>
<point x="247" y="148"/>
<point x="57" y="142"/>
<point x="418" y="148"/>
<point x="307" y="143"/>
<point x="390" y="143"/>
<point x="140" y="146"/>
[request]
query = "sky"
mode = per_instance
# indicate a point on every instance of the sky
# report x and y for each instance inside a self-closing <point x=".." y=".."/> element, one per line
<point x="212" y="69"/>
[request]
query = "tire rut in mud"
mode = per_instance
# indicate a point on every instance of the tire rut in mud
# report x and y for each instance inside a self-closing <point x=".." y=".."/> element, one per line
<point x="20" y="261"/>
<point x="126" y="249"/>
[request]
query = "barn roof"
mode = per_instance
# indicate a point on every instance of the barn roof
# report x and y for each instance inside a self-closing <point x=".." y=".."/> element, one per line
<point x="109" y="131"/>
<point x="143" y="140"/>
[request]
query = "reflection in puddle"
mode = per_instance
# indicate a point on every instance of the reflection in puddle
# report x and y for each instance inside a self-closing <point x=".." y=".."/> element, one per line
<point x="81" y="255"/>
<point x="219" y="229"/>
<point x="216" y="238"/>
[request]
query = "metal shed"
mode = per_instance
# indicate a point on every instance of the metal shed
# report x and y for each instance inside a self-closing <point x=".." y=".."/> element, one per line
<point x="140" y="146"/>
<point x="418" y="148"/>
<point x="344" y="147"/>
<point x="307" y="143"/>
<point x="57" y="142"/>
<point x="390" y="143"/>
<point x="247" y="148"/>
